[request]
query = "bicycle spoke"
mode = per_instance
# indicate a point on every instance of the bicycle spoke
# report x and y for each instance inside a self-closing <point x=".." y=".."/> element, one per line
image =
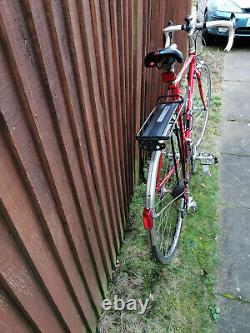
<point x="164" y="208"/>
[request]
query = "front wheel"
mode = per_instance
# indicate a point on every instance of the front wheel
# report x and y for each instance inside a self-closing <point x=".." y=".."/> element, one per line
<point x="201" y="102"/>
<point x="200" y="109"/>
<point x="166" y="200"/>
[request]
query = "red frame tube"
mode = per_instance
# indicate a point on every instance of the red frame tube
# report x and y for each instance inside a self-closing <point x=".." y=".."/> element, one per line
<point x="185" y="131"/>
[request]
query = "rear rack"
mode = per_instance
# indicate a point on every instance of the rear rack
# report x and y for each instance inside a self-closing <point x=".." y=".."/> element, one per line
<point x="159" y="125"/>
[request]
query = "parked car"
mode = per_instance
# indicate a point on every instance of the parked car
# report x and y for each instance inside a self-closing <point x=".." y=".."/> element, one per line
<point x="209" y="10"/>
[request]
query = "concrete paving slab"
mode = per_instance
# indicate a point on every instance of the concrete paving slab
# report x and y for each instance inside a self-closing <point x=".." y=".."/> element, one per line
<point x="234" y="239"/>
<point x="234" y="317"/>
<point x="239" y="56"/>
<point x="233" y="269"/>
<point x="235" y="138"/>
<point x="234" y="174"/>
<point x="238" y="73"/>
<point x="237" y="66"/>
<point x="236" y="102"/>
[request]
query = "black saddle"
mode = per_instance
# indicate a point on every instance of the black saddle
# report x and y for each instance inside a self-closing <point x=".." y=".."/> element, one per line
<point x="168" y="55"/>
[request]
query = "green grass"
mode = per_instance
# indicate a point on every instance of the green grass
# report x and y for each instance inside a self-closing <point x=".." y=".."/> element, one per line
<point x="182" y="295"/>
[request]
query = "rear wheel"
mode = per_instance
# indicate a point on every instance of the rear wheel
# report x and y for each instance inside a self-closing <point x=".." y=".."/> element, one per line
<point x="167" y="202"/>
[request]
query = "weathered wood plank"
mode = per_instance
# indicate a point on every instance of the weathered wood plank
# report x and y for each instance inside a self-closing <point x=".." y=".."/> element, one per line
<point x="11" y="319"/>
<point x="37" y="106"/>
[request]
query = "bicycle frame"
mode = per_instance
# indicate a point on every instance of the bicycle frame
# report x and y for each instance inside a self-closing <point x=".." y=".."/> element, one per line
<point x="167" y="193"/>
<point x="173" y="89"/>
<point x="185" y="130"/>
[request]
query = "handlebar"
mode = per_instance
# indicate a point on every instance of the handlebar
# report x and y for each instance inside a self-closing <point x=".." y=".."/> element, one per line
<point x="225" y="24"/>
<point x="193" y="25"/>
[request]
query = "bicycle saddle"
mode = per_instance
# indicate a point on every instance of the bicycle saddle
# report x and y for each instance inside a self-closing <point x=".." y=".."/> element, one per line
<point x="170" y="53"/>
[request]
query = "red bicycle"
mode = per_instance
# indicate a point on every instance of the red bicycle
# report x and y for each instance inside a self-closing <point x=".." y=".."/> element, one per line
<point x="172" y="133"/>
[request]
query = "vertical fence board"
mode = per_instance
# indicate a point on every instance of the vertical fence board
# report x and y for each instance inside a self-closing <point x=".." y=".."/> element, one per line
<point x="10" y="319"/>
<point x="73" y="93"/>
<point x="23" y="285"/>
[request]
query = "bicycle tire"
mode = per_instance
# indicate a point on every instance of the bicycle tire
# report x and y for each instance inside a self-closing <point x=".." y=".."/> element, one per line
<point x="199" y="112"/>
<point x="167" y="203"/>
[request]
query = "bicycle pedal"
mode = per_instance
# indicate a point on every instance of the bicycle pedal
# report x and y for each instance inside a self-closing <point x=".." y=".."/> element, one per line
<point x="206" y="158"/>
<point x="191" y="204"/>
<point x="206" y="170"/>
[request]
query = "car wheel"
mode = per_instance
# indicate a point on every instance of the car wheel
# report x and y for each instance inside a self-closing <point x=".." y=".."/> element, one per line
<point x="206" y="35"/>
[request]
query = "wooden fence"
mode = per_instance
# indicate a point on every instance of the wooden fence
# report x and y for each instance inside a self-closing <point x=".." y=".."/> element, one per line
<point x="73" y="92"/>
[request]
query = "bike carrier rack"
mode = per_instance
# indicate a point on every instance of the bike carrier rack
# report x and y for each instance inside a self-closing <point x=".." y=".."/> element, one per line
<point x="159" y="125"/>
